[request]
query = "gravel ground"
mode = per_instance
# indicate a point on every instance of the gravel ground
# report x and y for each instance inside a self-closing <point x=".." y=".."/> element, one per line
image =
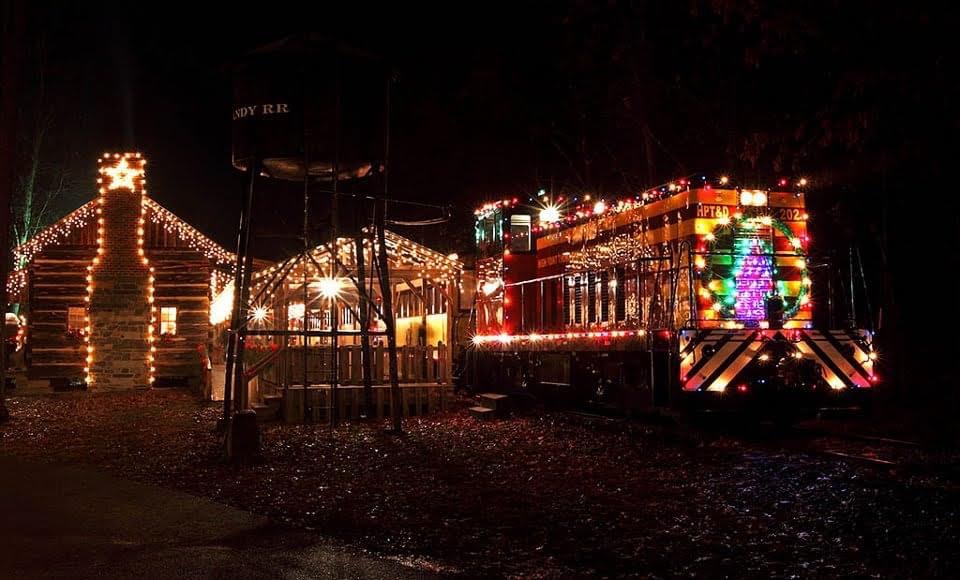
<point x="537" y="496"/>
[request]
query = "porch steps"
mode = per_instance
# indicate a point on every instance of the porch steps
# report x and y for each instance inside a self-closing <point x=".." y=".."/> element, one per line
<point x="491" y="405"/>
<point x="269" y="410"/>
<point x="482" y="413"/>
<point x="496" y="401"/>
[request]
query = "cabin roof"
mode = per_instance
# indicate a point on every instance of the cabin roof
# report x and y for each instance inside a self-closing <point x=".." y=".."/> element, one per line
<point x="59" y="232"/>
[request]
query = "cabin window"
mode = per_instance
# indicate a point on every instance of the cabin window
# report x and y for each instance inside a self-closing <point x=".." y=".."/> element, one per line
<point x="76" y="319"/>
<point x="519" y="233"/>
<point x="168" y="321"/>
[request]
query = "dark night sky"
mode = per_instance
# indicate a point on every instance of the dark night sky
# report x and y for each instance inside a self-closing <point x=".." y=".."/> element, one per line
<point x="499" y="99"/>
<point x="156" y="80"/>
<point x="496" y="99"/>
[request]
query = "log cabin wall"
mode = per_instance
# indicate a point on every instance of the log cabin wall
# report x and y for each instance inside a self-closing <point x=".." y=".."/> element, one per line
<point x="182" y="281"/>
<point x="56" y="281"/>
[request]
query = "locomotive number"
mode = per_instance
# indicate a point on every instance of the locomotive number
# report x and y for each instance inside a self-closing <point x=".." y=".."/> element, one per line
<point x="789" y="214"/>
<point x="784" y="214"/>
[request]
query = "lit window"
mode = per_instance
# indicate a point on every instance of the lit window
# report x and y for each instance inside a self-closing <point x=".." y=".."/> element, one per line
<point x="76" y="319"/>
<point x="168" y="321"/>
<point x="520" y="233"/>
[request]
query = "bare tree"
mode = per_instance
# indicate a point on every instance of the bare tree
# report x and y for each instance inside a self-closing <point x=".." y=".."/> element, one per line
<point x="11" y="29"/>
<point x="41" y="183"/>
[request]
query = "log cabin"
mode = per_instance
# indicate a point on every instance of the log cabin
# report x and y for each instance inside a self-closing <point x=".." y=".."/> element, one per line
<point x="123" y="294"/>
<point x="116" y="295"/>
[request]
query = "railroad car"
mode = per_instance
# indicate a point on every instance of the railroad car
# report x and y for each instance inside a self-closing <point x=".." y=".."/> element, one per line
<point x="694" y="293"/>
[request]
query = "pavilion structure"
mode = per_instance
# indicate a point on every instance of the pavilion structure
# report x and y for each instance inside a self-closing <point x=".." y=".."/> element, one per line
<point x="315" y="335"/>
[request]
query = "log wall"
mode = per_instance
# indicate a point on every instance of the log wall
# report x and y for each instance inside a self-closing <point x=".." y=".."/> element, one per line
<point x="182" y="280"/>
<point x="56" y="281"/>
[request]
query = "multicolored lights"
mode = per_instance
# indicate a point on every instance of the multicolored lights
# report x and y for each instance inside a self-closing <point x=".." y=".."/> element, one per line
<point x="745" y="257"/>
<point x="740" y="269"/>
<point x="552" y="216"/>
<point x="753" y="269"/>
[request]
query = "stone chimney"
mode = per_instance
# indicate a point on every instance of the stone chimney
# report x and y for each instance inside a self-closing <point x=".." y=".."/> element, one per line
<point x="120" y="282"/>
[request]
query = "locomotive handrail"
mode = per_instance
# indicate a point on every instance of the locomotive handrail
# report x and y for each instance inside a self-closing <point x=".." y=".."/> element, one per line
<point x="577" y="272"/>
<point x="691" y="300"/>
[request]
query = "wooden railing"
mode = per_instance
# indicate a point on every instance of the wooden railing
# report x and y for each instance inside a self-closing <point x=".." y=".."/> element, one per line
<point x="415" y="400"/>
<point x="285" y="368"/>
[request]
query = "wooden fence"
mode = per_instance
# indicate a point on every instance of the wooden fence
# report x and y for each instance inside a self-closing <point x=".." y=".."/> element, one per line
<point x="415" y="364"/>
<point x="416" y="400"/>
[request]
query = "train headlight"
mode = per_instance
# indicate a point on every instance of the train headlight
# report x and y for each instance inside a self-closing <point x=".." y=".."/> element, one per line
<point x="753" y="197"/>
<point x="550" y="214"/>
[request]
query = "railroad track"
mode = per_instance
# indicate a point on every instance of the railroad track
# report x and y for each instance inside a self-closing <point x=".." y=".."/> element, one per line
<point x="586" y="415"/>
<point x="860" y="448"/>
<point x="855" y="436"/>
<point x="856" y="448"/>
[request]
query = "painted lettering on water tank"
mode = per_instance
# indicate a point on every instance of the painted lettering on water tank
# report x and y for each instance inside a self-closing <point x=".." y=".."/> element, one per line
<point x="263" y="110"/>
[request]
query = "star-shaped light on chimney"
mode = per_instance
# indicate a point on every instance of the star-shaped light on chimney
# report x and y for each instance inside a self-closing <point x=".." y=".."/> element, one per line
<point x="122" y="174"/>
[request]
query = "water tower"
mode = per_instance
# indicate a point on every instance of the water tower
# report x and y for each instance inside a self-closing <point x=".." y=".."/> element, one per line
<point x="310" y="110"/>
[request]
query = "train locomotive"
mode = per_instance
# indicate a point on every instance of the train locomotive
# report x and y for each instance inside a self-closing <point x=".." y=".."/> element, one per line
<point x="695" y="293"/>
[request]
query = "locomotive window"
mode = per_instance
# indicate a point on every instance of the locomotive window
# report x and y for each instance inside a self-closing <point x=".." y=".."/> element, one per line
<point x="620" y="290"/>
<point x="488" y="233"/>
<point x="591" y="297"/>
<point x="577" y="300"/>
<point x="519" y="233"/>
<point x="604" y="296"/>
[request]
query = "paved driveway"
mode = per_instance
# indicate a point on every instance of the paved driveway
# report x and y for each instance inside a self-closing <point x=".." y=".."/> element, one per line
<point x="69" y="522"/>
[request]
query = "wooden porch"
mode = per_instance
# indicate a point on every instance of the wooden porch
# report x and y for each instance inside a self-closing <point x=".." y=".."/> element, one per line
<point x="305" y="319"/>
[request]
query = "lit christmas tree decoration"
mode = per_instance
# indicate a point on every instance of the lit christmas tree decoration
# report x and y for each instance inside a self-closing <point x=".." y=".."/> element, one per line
<point x="742" y="269"/>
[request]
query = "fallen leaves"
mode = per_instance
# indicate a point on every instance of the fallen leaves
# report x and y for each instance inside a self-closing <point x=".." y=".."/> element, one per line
<point x="530" y="496"/>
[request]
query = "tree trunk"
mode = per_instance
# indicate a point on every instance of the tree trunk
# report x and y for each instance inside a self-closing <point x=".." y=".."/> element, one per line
<point x="13" y="25"/>
<point x="364" y="312"/>
<point x="387" y="293"/>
